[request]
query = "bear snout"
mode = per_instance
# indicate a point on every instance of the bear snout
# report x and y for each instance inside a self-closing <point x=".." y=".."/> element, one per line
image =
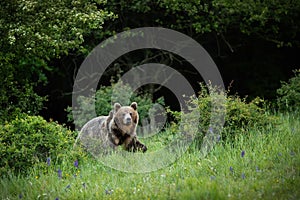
<point x="128" y="120"/>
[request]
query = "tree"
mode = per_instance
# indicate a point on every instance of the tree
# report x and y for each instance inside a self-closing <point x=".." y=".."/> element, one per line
<point x="32" y="33"/>
<point x="227" y="29"/>
<point x="272" y="20"/>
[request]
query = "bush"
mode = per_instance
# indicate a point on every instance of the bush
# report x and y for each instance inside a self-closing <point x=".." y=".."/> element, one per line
<point x="17" y="92"/>
<point x="30" y="140"/>
<point x="239" y="114"/>
<point x="104" y="100"/>
<point x="289" y="93"/>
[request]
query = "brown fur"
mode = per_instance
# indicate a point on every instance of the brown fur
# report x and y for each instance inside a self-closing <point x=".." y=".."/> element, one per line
<point x="118" y="128"/>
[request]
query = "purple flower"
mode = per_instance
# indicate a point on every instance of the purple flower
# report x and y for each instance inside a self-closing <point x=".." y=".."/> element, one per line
<point x="48" y="161"/>
<point x="56" y="198"/>
<point x="210" y="130"/>
<point x="59" y="173"/>
<point x="293" y="130"/>
<point x="218" y="138"/>
<point x="68" y="187"/>
<point x="243" y="153"/>
<point x="20" y="196"/>
<point x="76" y="163"/>
<point x="257" y="169"/>
<point x="212" y="178"/>
<point x="231" y="169"/>
<point x="243" y="176"/>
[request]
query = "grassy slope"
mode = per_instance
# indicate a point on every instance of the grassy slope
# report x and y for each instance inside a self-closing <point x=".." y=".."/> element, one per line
<point x="270" y="169"/>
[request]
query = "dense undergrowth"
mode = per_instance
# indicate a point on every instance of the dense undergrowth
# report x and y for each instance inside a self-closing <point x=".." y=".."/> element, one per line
<point x="257" y="156"/>
<point x="264" y="163"/>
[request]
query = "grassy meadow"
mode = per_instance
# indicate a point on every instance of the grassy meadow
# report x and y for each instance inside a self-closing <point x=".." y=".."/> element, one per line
<point x="258" y="164"/>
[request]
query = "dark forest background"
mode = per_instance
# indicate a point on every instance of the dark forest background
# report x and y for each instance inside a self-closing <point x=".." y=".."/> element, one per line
<point x="255" y="45"/>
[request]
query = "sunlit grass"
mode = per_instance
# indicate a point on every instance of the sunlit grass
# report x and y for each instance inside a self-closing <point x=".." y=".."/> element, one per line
<point x="269" y="168"/>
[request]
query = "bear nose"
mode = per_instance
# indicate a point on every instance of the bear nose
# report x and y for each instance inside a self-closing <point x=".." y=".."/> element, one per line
<point x="128" y="120"/>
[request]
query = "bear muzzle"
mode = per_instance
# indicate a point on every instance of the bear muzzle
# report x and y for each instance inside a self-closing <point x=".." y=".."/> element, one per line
<point x="127" y="120"/>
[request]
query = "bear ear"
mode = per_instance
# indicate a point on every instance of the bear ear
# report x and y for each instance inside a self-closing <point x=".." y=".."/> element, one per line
<point x="134" y="105"/>
<point x="117" y="106"/>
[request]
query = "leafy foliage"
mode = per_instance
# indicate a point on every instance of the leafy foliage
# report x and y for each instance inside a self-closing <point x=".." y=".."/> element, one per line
<point x="48" y="29"/>
<point x="239" y="114"/>
<point x="29" y="140"/>
<point x="274" y="21"/>
<point x="105" y="97"/>
<point x="17" y="96"/>
<point x="35" y="35"/>
<point x="289" y="93"/>
<point x="32" y="33"/>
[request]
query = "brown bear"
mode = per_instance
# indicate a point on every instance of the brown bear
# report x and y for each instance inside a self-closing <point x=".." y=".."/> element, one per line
<point x="107" y="132"/>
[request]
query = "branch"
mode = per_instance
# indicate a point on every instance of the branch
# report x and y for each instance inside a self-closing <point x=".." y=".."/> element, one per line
<point x="227" y="43"/>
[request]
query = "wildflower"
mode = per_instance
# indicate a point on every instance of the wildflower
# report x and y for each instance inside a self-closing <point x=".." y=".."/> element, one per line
<point x="59" y="172"/>
<point x="243" y="153"/>
<point x="36" y="177"/>
<point x="108" y="191"/>
<point x="48" y="161"/>
<point x="76" y="163"/>
<point x="20" y="196"/>
<point x="293" y="130"/>
<point x="84" y="185"/>
<point x="218" y="138"/>
<point x="292" y="153"/>
<point x="243" y="176"/>
<point x="210" y="130"/>
<point x="212" y="178"/>
<point x="56" y="198"/>
<point x="68" y="187"/>
<point x="231" y="169"/>
<point x="257" y="169"/>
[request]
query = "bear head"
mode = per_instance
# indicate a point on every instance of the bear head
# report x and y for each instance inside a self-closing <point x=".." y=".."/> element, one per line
<point x="126" y="115"/>
<point x="124" y="119"/>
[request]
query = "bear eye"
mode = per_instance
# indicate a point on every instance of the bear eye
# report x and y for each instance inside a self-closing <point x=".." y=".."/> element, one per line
<point x="130" y="114"/>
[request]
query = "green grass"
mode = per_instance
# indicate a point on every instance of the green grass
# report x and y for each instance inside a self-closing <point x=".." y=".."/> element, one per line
<point x="270" y="169"/>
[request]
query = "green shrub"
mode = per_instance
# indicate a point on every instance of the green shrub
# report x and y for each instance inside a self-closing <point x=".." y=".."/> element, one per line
<point x="105" y="97"/>
<point x="289" y="93"/>
<point x="239" y="115"/>
<point x="29" y="141"/>
<point x="17" y="92"/>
